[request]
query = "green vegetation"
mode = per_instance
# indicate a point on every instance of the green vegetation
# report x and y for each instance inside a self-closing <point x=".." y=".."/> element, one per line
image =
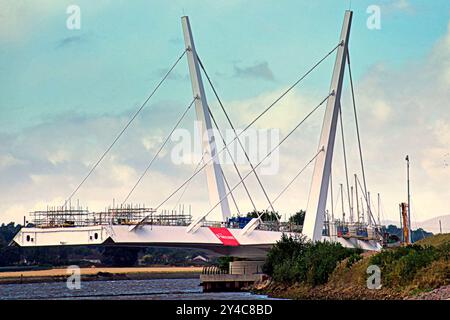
<point x="402" y="265"/>
<point x="399" y="266"/>
<point x="294" y="260"/>
<point x="266" y="215"/>
<point x="8" y="255"/>
<point x="224" y="262"/>
<point x="303" y="270"/>
<point x="298" y="218"/>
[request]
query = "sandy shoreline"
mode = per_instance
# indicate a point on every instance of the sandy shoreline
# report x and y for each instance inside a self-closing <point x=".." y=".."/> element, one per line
<point x="93" y="274"/>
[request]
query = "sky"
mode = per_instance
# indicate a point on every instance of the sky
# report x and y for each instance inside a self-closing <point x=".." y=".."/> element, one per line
<point x="66" y="93"/>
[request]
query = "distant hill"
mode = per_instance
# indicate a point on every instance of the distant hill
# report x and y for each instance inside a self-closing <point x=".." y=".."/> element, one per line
<point x="431" y="225"/>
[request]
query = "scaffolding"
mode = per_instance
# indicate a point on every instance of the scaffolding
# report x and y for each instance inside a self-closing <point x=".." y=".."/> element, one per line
<point x="54" y="217"/>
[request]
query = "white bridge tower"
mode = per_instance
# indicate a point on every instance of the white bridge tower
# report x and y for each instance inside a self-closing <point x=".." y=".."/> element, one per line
<point x="317" y="201"/>
<point x="214" y="174"/>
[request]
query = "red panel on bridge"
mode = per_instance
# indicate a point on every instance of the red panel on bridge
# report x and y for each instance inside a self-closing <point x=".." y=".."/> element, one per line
<point x="225" y="236"/>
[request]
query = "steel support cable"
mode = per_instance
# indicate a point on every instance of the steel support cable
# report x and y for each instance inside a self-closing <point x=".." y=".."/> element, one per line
<point x="345" y="162"/>
<point x="338" y="197"/>
<point x="271" y="151"/>
<point x="235" y="134"/>
<point x="159" y="150"/>
<point x="250" y="124"/>
<point x="231" y="194"/>
<point x="187" y="185"/>
<point x="199" y="170"/>
<point x="293" y="179"/>
<point x="369" y="211"/>
<point x="356" y="122"/>
<point x="331" y="194"/>
<point x="232" y="159"/>
<point x="126" y="127"/>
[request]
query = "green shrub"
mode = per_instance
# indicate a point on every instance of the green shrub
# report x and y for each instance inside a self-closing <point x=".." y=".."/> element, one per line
<point x="297" y="260"/>
<point x="224" y="262"/>
<point x="355" y="257"/>
<point x="282" y="251"/>
<point x="400" y="265"/>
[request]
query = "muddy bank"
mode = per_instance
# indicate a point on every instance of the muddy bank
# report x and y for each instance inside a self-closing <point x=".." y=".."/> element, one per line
<point x="300" y="291"/>
<point x="100" y="274"/>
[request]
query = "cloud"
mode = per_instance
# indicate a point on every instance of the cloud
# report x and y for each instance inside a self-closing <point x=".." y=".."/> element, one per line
<point x="174" y="75"/>
<point x="18" y="18"/>
<point x="69" y="41"/>
<point x="401" y="111"/>
<point x="404" y="111"/>
<point x="176" y="41"/>
<point x="7" y="160"/>
<point x="397" y="5"/>
<point x="257" y="71"/>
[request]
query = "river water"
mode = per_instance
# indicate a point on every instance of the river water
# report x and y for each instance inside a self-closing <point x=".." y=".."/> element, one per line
<point x="154" y="289"/>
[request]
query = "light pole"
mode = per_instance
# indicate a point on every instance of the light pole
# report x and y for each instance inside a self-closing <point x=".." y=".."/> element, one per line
<point x="409" y="197"/>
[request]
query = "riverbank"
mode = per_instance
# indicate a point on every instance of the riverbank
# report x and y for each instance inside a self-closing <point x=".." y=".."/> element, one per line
<point x="99" y="274"/>
<point x="420" y="271"/>
<point x="350" y="283"/>
<point x="352" y="292"/>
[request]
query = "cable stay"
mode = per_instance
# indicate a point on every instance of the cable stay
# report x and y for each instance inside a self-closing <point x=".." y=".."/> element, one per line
<point x="253" y="224"/>
<point x="234" y="234"/>
<point x="270" y="153"/>
<point x="187" y="185"/>
<point x="237" y="138"/>
<point x="336" y="203"/>
<point x="159" y="150"/>
<point x="125" y="128"/>
<point x="231" y="157"/>
<point x="356" y="122"/>
<point x="246" y="128"/>
<point x="293" y="179"/>
<point x="231" y="194"/>
<point x="366" y="200"/>
<point x="331" y="193"/>
<point x="345" y="162"/>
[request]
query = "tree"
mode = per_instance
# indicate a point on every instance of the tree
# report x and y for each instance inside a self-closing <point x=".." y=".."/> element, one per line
<point x="298" y="218"/>
<point x="266" y="215"/>
<point x="8" y="255"/>
<point x="120" y="256"/>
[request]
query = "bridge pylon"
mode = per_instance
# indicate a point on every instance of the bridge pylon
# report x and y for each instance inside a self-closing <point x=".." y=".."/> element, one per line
<point x="317" y="201"/>
<point x="214" y="174"/>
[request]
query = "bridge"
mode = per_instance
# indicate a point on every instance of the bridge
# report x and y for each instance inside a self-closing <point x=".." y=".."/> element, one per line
<point x="130" y="225"/>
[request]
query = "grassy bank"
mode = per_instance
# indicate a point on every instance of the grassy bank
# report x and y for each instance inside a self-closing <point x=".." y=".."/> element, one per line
<point x="302" y="270"/>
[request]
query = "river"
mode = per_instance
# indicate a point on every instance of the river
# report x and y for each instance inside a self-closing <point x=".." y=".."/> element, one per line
<point x="154" y="289"/>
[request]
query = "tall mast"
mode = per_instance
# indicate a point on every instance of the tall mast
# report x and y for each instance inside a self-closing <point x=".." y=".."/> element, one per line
<point x="409" y="198"/>
<point x="216" y="186"/>
<point x="379" y="206"/>
<point x="321" y="177"/>
<point x="353" y="207"/>
<point x="342" y="202"/>
<point x="357" y="201"/>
